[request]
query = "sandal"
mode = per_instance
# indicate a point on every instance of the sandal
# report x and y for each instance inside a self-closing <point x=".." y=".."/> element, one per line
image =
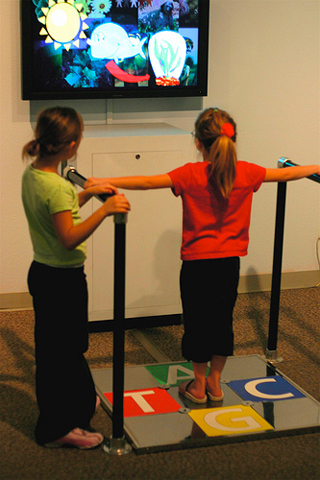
<point x="183" y="389"/>
<point x="215" y="399"/>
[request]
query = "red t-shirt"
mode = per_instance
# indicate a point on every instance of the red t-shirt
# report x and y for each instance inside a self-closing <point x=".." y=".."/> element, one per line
<point x="212" y="226"/>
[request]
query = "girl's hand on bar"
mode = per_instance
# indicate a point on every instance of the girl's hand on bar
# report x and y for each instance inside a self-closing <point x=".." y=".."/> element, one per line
<point x="103" y="188"/>
<point x="116" y="204"/>
<point x="93" y="181"/>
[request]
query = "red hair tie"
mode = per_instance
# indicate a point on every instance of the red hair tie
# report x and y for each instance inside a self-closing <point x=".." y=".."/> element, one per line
<point x="227" y="129"/>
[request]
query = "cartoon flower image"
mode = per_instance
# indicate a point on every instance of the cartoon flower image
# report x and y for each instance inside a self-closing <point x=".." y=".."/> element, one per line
<point x="85" y="6"/>
<point x="101" y="7"/>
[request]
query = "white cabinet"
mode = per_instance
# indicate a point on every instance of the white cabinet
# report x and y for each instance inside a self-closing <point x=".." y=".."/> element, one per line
<point x="153" y="230"/>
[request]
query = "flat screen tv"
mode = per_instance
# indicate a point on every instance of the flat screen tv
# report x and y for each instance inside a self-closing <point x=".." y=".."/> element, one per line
<point x="82" y="49"/>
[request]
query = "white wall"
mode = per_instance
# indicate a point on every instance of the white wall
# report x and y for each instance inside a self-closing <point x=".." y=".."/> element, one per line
<point x="264" y="70"/>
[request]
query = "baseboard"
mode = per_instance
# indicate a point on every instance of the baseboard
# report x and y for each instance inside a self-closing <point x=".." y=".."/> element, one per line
<point x="247" y="284"/>
<point x="15" y="301"/>
<point x="136" y="323"/>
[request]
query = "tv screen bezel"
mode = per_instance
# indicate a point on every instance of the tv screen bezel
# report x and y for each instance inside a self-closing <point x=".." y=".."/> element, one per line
<point x="28" y="92"/>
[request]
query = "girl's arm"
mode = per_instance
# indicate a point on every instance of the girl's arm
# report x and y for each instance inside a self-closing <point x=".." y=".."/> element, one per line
<point x="71" y="235"/>
<point x="286" y="174"/>
<point x="134" y="183"/>
<point x="88" y="193"/>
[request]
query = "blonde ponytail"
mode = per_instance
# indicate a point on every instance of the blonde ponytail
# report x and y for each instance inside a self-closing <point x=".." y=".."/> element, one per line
<point x="216" y="131"/>
<point x="223" y="159"/>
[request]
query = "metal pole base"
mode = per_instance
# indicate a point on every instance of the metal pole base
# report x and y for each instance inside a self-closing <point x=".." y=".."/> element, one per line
<point x="117" y="446"/>
<point x="272" y="356"/>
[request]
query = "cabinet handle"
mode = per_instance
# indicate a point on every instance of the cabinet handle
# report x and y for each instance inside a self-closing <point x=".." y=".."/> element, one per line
<point x="138" y="156"/>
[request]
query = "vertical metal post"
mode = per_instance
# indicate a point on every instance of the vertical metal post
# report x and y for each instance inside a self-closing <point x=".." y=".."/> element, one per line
<point x="117" y="444"/>
<point x="118" y="332"/>
<point x="271" y="352"/>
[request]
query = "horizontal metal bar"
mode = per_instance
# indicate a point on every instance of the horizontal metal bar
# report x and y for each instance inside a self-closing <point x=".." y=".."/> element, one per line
<point x="286" y="162"/>
<point x="71" y="174"/>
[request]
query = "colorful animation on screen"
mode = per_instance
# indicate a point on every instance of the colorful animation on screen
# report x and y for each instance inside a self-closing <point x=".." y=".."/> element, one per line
<point x="107" y="44"/>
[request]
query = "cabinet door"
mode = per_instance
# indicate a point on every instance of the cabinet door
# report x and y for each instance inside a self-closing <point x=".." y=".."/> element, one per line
<point x="153" y="240"/>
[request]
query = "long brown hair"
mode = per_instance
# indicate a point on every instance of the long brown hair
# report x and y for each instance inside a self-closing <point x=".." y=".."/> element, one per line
<point x="220" y="147"/>
<point x="56" y="127"/>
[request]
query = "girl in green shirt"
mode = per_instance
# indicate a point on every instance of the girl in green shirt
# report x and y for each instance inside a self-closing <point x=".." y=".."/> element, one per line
<point x="64" y="386"/>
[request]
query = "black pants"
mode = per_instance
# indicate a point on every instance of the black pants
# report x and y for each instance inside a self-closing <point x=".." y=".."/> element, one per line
<point x="208" y="293"/>
<point x="64" y="386"/>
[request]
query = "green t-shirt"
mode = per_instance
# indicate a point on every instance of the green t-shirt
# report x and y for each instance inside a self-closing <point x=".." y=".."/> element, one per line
<point x="44" y="194"/>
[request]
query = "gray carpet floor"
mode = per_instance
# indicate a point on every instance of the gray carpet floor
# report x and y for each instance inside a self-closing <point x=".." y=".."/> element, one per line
<point x="291" y="457"/>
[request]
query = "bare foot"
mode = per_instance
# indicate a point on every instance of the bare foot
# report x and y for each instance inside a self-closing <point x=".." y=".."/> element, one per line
<point x="214" y="388"/>
<point x="78" y="438"/>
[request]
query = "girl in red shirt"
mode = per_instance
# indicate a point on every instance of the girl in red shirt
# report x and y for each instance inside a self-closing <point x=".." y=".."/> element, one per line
<point x="216" y="197"/>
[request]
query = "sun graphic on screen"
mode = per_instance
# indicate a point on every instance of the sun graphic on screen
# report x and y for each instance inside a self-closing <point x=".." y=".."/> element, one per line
<point x="63" y="23"/>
